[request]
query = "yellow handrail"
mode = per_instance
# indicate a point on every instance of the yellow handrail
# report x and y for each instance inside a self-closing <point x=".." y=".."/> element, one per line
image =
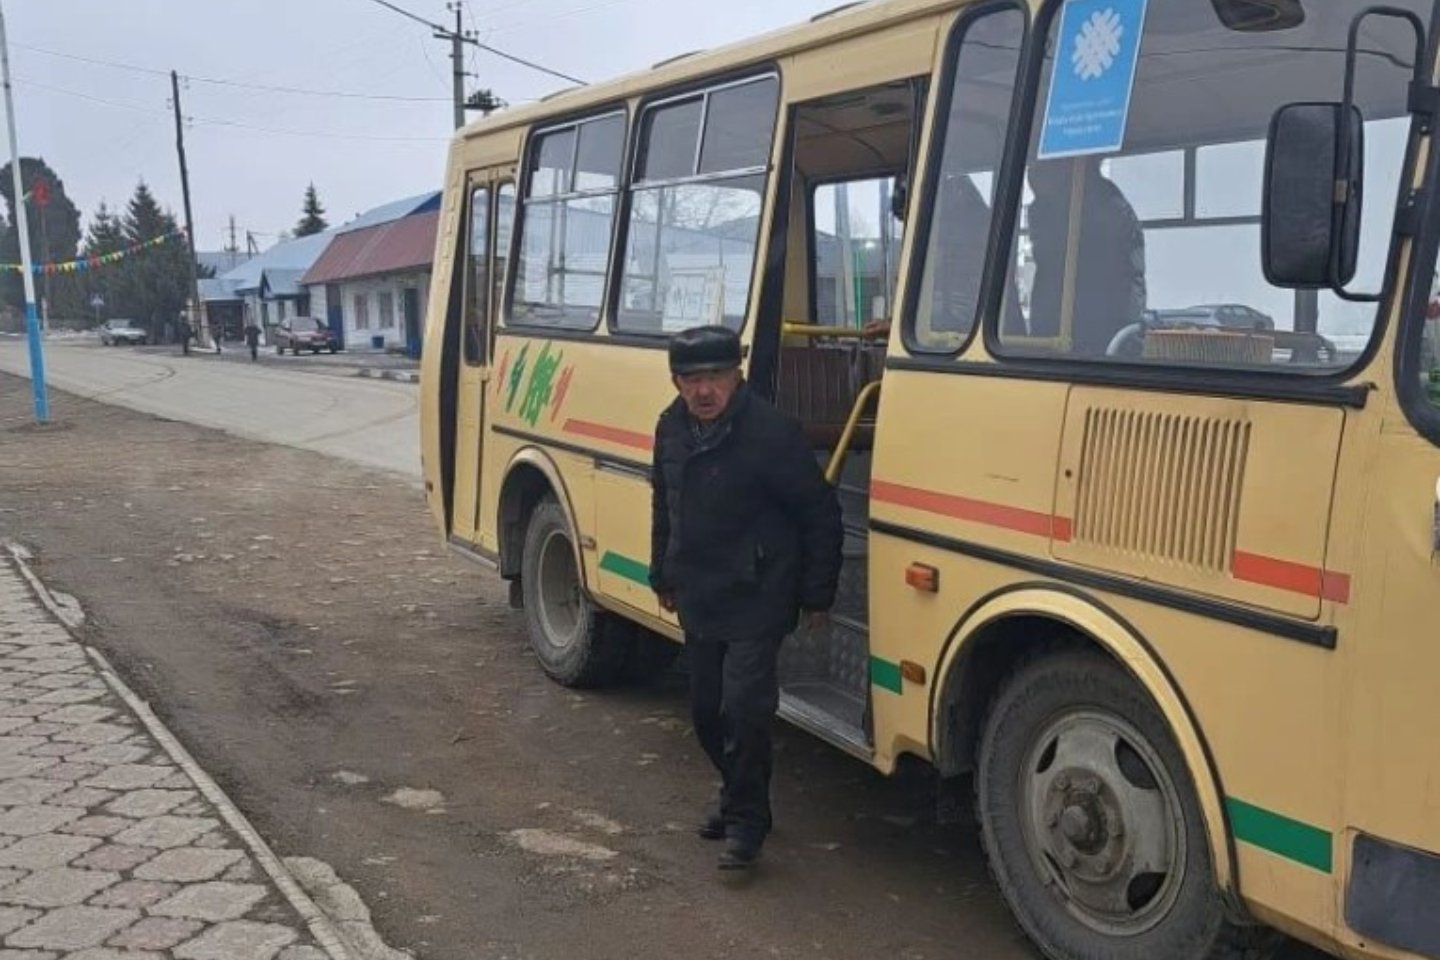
<point x="840" y="333"/>
<point x="842" y="449"/>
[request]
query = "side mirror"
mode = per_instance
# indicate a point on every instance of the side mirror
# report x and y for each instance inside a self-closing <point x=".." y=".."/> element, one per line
<point x="1314" y="168"/>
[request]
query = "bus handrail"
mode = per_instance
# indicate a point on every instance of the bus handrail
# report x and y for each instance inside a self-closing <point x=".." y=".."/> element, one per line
<point x="842" y="449"/>
<point x="815" y="330"/>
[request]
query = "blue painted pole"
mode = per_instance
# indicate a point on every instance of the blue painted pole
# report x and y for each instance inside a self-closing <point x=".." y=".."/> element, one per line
<point x="22" y="228"/>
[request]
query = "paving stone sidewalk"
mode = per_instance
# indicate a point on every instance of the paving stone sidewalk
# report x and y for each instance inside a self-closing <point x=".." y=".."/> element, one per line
<point x="108" y="850"/>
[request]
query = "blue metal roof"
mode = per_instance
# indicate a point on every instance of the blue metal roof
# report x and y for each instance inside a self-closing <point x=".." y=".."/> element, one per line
<point x="300" y="255"/>
<point x="281" y="283"/>
<point x="295" y="255"/>
<point x="422" y="203"/>
<point x="217" y="289"/>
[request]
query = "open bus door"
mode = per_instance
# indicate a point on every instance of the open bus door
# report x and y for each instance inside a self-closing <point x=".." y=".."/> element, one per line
<point x="491" y="199"/>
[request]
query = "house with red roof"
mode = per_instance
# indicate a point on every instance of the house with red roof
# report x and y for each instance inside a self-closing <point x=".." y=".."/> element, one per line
<point x="374" y="276"/>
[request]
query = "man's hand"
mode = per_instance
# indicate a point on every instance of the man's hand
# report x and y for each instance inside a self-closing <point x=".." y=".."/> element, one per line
<point x="817" y="619"/>
<point x="877" y="329"/>
<point x="667" y="600"/>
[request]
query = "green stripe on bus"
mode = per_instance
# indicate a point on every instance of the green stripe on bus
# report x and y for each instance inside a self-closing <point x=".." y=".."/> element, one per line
<point x="622" y="566"/>
<point x="1280" y="835"/>
<point x="886" y="675"/>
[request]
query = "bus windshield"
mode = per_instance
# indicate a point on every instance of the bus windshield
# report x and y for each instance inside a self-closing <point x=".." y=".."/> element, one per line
<point x="1150" y="252"/>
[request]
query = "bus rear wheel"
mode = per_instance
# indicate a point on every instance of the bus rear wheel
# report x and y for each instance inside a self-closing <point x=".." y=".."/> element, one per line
<point x="577" y="644"/>
<point x="1090" y="823"/>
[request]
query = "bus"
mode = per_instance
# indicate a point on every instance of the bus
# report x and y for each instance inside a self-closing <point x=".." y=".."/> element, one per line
<point x="1108" y="320"/>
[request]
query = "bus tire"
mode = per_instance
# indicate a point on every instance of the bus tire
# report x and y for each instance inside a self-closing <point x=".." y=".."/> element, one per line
<point x="1090" y="824"/>
<point x="577" y="644"/>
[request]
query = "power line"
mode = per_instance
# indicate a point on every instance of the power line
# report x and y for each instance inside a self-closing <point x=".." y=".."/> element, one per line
<point x="221" y="82"/>
<point x="406" y="13"/>
<point x="448" y="34"/>
<point x="523" y="62"/>
<point x="222" y="122"/>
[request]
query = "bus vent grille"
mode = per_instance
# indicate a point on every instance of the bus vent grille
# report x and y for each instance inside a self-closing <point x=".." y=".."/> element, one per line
<point x="1162" y="487"/>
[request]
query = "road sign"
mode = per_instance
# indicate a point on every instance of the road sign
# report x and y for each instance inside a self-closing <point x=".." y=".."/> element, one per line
<point x="97" y="301"/>
<point x="1095" y="62"/>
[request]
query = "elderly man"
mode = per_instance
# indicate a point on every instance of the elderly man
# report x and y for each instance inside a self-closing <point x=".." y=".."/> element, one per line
<point x="746" y="536"/>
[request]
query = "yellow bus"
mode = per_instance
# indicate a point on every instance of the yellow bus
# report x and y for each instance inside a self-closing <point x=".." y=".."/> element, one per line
<point x="1108" y="319"/>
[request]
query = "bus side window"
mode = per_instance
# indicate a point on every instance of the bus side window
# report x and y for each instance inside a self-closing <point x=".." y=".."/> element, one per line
<point x="504" y="228"/>
<point x="566" y="222"/>
<point x="477" y="280"/>
<point x="695" y="208"/>
<point x="955" y="235"/>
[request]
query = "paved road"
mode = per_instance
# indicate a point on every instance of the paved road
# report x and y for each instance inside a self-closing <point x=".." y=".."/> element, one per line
<point x="374" y="423"/>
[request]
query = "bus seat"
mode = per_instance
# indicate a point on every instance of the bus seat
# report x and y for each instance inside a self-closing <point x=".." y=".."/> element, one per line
<point x="818" y="385"/>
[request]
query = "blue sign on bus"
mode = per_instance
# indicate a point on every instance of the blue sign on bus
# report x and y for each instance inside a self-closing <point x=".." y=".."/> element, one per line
<point x="1097" y="54"/>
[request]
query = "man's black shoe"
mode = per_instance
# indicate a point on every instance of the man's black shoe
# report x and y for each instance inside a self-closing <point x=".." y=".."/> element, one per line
<point x="713" y="828"/>
<point x="739" y="854"/>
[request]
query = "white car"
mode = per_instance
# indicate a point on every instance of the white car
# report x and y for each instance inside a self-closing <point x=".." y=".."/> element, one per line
<point x="115" y="332"/>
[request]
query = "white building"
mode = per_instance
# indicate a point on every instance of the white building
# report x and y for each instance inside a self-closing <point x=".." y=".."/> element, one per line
<point x="374" y="277"/>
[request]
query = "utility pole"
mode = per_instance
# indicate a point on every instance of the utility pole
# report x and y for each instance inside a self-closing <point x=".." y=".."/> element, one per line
<point x="457" y="61"/>
<point x="234" y="248"/>
<point x="197" y="311"/>
<point x="22" y="229"/>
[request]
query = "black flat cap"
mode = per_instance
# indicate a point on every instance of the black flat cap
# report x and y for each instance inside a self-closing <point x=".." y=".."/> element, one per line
<point x="701" y="349"/>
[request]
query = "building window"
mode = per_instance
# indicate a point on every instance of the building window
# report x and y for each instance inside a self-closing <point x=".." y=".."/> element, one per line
<point x="362" y="311"/>
<point x="385" y="306"/>
<point x="566" y="224"/>
<point x="695" y="208"/>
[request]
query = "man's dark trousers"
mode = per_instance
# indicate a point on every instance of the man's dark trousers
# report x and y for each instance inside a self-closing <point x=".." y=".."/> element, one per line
<point x="734" y="693"/>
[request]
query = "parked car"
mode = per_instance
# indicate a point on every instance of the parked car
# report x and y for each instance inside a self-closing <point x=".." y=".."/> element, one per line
<point x="116" y="332"/>
<point x="303" y="333"/>
<point x="1236" y="316"/>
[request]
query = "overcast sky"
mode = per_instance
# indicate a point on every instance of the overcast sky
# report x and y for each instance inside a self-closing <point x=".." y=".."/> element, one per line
<point x="251" y="152"/>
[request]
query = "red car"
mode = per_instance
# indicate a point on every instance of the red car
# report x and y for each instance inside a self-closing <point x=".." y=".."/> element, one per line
<point x="303" y="333"/>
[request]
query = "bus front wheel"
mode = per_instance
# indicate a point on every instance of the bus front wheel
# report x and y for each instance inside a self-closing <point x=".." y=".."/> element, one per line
<point x="577" y="644"/>
<point x="1090" y="822"/>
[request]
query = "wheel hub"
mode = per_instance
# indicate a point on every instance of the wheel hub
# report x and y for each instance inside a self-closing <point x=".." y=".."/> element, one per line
<point x="1103" y="822"/>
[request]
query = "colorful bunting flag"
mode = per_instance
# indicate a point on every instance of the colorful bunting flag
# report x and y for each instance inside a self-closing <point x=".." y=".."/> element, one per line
<point x="94" y="261"/>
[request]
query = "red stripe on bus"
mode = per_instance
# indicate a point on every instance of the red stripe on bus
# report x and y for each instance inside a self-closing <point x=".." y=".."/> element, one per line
<point x="599" y="431"/>
<point x="1291" y="577"/>
<point x="974" y="511"/>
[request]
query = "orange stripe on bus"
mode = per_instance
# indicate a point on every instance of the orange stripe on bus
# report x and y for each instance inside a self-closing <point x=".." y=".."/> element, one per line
<point x="1292" y="577"/>
<point x="600" y="431"/>
<point x="974" y="511"/>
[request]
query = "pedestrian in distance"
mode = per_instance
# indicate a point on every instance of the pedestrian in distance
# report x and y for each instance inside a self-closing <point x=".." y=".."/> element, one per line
<point x="186" y="333"/>
<point x="746" y="536"/>
<point x="252" y="340"/>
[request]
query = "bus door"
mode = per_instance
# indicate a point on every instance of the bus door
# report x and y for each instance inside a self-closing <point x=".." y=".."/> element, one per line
<point x="491" y="197"/>
<point x="853" y="152"/>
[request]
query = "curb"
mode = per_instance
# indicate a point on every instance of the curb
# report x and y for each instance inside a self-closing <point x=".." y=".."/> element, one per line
<point x="319" y="924"/>
<point x="404" y="376"/>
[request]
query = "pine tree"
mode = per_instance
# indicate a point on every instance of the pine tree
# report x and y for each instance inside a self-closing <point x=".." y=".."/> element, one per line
<point x="105" y="235"/>
<point x="313" y="221"/>
<point x="151" y="286"/>
<point x="61" y="229"/>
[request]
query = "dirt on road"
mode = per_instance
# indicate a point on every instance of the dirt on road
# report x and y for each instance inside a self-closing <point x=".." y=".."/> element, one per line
<point x="370" y="701"/>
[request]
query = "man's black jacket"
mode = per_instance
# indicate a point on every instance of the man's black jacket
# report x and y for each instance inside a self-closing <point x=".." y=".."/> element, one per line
<point x="745" y="530"/>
